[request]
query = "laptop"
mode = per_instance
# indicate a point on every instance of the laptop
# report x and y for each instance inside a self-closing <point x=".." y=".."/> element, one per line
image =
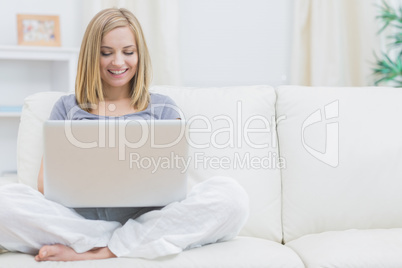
<point x="115" y="163"/>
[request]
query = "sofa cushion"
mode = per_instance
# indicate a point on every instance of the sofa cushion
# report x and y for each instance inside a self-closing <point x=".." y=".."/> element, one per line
<point x="35" y="111"/>
<point x="226" y="148"/>
<point x="230" y="112"/>
<point x="240" y="252"/>
<point x="343" y="154"/>
<point x="7" y="180"/>
<point x="352" y="248"/>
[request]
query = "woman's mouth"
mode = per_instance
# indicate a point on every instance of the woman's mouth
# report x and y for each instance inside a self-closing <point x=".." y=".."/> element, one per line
<point x="117" y="72"/>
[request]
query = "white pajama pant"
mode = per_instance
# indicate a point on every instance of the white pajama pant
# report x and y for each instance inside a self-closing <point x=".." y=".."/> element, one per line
<point x="215" y="210"/>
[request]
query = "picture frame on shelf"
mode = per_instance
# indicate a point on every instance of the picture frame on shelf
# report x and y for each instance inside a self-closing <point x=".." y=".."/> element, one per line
<point x="38" y="30"/>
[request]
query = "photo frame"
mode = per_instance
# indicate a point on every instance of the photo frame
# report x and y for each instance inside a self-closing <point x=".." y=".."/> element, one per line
<point x="38" y="30"/>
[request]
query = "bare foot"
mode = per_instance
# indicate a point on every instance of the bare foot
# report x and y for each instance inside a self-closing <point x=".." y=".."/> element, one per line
<point x="60" y="252"/>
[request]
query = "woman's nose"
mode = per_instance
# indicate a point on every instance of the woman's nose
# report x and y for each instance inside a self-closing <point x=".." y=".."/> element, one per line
<point x="118" y="59"/>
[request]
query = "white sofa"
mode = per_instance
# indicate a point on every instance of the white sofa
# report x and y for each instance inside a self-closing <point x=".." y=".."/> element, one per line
<point x="322" y="167"/>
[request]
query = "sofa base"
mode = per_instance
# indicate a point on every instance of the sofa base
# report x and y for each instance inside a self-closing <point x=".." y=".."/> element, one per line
<point x="240" y="252"/>
<point x="353" y="248"/>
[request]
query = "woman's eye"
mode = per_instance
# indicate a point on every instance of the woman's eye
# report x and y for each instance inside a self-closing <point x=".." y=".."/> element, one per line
<point x="129" y="53"/>
<point x="105" y="54"/>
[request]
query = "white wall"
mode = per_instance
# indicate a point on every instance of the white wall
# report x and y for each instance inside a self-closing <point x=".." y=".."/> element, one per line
<point x="235" y="42"/>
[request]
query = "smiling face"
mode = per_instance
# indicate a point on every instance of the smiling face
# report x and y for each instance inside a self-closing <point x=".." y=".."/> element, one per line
<point x="118" y="59"/>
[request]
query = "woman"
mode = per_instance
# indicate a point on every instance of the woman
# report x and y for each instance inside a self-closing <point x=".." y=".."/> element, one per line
<point x="112" y="80"/>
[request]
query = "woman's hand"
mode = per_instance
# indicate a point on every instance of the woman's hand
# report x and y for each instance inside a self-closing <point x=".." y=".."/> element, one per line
<point x="40" y="177"/>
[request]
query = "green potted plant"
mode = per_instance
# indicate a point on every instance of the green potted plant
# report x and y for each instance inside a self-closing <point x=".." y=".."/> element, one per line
<point x="388" y="68"/>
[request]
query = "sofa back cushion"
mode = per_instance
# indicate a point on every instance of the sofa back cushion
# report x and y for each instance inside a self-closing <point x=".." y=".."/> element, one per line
<point x="232" y="133"/>
<point x="343" y="153"/>
<point x="35" y="111"/>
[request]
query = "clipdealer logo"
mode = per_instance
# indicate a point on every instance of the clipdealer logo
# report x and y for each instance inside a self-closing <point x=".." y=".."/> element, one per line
<point x="330" y="156"/>
<point x="236" y="132"/>
<point x="270" y="160"/>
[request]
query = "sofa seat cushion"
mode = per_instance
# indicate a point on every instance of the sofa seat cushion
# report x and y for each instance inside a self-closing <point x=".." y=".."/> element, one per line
<point x="7" y="180"/>
<point x="373" y="248"/>
<point x="240" y="252"/>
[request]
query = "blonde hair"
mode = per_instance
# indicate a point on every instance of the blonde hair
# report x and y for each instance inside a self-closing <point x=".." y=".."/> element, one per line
<point x="88" y="84"/>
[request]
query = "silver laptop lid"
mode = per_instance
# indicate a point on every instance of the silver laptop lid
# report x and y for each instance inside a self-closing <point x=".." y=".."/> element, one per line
<point x="115" y="163"/>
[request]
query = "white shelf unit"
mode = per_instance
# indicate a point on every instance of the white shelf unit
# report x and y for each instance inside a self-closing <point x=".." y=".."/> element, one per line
<point x="25" y="70"/>
<point x="10" y="114"/>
